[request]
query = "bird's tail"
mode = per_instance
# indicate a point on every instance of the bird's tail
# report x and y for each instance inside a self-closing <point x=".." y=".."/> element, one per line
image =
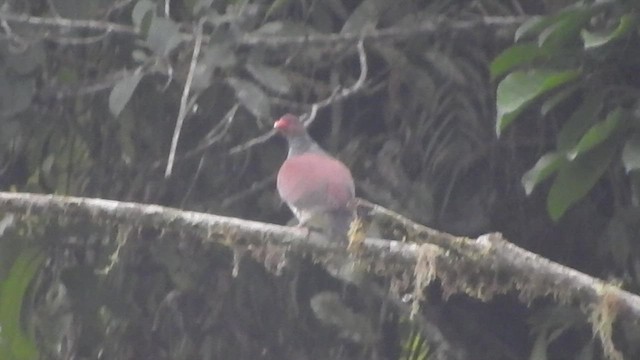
<point x="339" y="223"/>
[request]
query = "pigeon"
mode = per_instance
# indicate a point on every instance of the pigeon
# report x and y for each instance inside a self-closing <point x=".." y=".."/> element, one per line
<point x="318" y="188"/>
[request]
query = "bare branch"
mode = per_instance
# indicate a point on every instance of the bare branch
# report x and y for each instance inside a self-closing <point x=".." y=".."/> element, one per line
<point x="337" y="95"/>
<point x="249" y="191"/>
<point x="396" y="33"/>
<point x="253" y="142"/>
<point x="212" y="137"/>
<point x="184" y="101"/>
<point x="68" y="23"/>
<point x="433" y="26"/>
<point x="345" y="93"/>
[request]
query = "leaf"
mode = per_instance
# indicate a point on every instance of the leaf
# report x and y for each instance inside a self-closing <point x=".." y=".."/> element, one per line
<point x="199" y="5"/>
<point x="539" y="348"/>
<point x="8" y="221"/>
<point x="558" y="98"/>
<point x="285" y="28"/>
<point x="24" y="62"/>
<point x="514" y="56"/>
<point x="16" y="93"/>
<point x="446" y="66"/>
<point x="533" y="26"/>
<point x="580" y="120"/>
<point x="275" y="6"/>
<point x="141" y="13"/>
<point x="414" y="346"/>
<point x="575" y="179"/>
<point x="631" y="154"/>
<point x="252" y="97"/>
<point x="545" y="167"/>
<point x="76" y="9"/>
<point x="270" y="77"/>
<point x="13" y="291"/>
<point x="164" y="36"/>
<point x="565" y="28"/>
<point x="122" y="92"/>
<point x="597" y="134"/>
<point x="365" y="15"/>
<point x="518" y="89"/>
<point x="219" y="56"/>
<point x="626" y="24"/>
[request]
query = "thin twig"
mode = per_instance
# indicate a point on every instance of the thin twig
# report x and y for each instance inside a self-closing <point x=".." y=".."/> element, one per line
<point x="216" y="133"/>
<point x="192" y="185"/>
<point x="344" y="93"/>
<point x="77" y="40"/>
<point x="427" y="26"/>
<point x="182" y="113"/>
<point x="337" y="95"/>
<point x="210" y="139"/>
<point x="396" y="33"/>
<point x="68" y="23"/>
<point x="117" y="6"/>
<point x="254" y="188"/>
<point x="253" y="142"/>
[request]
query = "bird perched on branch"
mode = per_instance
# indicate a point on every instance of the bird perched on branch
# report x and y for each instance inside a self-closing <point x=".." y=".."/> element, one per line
<point x="318" y="188"/>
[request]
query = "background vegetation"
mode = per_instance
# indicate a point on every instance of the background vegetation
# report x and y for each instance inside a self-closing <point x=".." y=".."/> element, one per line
<point x="472" y="116"/>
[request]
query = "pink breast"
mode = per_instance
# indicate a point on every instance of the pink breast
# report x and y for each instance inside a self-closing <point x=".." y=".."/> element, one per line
<point x="315" y="180"/>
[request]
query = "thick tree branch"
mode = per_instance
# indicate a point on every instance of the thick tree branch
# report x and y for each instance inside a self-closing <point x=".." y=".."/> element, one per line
<point x="480" y="267"/>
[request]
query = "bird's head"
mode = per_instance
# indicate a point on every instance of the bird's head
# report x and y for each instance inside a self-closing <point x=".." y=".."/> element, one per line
<point x="290" y="126"/>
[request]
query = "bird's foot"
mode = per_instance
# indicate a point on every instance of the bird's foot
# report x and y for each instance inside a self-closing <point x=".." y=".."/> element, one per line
<point x="305" y="227"/>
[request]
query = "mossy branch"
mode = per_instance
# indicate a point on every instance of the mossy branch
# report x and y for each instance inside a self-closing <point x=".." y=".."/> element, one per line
<point x="481" y="267"/>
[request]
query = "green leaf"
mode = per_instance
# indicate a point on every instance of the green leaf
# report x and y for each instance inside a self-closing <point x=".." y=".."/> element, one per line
<point x="28" y="60"/>
<point x="597" y="134"/>
<point x="16" y="93"/>
<point x="141" y="14"/>
<point x="219" y="55"/>
<point x="580" y="121"/>
<point x="533" y="26"/>
<point x="514" y="56"/>
<point x="365" y="15"/>
<point x="275" y="6"/>
<point x="269" y="77"/>
<point x="565" y="29"/>
<point x="444" y="64"/>
<point x="631" y="154"/>
<point x="545" y="167"/>
<point x="252" y="97"/>
<point x="575" y="179"/>
<point x="518" y="89"/>
<point x="626" y="24"/>
<point x="68" y="75"/>
<point x="14" y="287"/>
<point x="164" y="36"/>
<point x="76" y="9"/>
<point x="200" y="5"/>
<point x="122" y="92"/>
<point x="557" y="98"/>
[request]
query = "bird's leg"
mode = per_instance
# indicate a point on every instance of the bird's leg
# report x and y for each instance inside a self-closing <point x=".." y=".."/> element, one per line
<point x="308" y="223"/>
<point x="311" y="227"/>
